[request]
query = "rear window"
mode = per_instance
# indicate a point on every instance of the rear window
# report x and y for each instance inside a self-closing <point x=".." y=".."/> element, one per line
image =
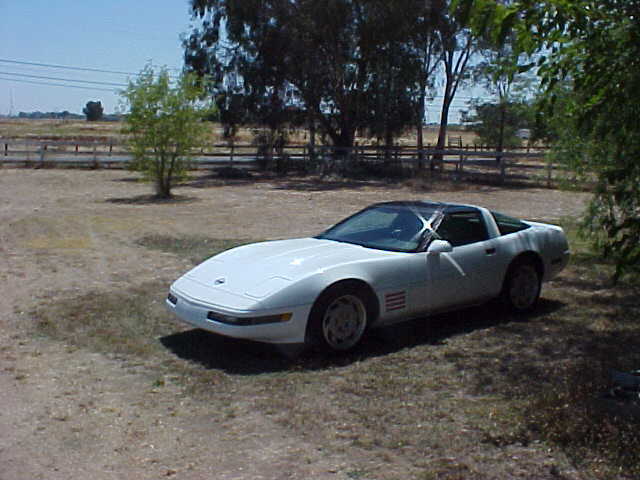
<point x="507" y="224"/>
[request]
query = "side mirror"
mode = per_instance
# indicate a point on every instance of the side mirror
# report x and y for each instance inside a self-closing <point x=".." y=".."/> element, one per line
<point x="440" y="246"/>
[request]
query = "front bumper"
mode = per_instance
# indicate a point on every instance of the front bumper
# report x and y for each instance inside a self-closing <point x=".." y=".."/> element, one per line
<point x="196" y="313"/>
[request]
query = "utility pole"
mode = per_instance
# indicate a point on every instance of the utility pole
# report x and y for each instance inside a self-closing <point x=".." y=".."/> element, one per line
<point x="11" y="102"/>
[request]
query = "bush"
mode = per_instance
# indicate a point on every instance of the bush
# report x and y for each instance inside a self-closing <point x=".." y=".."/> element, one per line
<point x="164" y="125"/>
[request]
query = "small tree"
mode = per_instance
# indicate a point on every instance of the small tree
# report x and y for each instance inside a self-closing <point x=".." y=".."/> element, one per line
<point x="164" y="124"/>
<point x="93" y="111"/>
<point x="497" y="124"/>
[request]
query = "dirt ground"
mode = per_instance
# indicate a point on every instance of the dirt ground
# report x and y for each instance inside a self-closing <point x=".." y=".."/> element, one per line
<point x="67" y="413"/>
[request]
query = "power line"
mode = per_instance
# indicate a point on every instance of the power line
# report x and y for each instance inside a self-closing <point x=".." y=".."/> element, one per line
<point x="63" y="79"/>
<point x="56" y="84"/>
<point x="435" y="111"/>
<point x="120" y="72"/>
<point x="66" y="67"/>
<point x="49" y="65"/>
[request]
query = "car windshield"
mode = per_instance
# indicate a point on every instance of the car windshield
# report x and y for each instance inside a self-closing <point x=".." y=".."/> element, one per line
<point x="399" y="227"/>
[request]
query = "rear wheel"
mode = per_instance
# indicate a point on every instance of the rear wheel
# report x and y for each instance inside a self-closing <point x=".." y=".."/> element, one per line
<point x="340" y="318"/>
<point x="522" y="286"/>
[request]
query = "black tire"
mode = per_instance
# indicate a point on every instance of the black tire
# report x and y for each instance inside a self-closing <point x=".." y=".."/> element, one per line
<point x="522" y="285"/>
<point x="339" y="319"/>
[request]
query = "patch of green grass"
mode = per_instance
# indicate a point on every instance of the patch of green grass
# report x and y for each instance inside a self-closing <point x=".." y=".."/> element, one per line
<point x="127" y="322"/>
<point x="195" y="248"/>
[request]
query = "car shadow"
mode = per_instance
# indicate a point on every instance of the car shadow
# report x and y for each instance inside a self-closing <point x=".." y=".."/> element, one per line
<point x="244" y="357"/>
<point x="437" y="329"/>
<point x="234" y="356"/>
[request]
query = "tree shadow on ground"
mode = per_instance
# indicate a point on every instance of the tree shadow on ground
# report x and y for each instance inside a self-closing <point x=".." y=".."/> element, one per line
<point x="213" y="181"/>
<point x="305" y="183"/>
<point x="437" y="182"/>
<point x="131" y="179"/>
<point x="511" y="182"/>
<point x="151" y="200"/>
<point x="243" y="357"/>
<point x="318" y="185"/>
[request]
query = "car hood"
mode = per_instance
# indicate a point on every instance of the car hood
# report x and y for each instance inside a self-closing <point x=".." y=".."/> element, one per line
<point x="260" y="269"/>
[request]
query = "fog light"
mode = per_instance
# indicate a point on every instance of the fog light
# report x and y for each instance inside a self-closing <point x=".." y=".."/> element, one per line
<point x="172" y="298"/>
<point x="247" y="321"/>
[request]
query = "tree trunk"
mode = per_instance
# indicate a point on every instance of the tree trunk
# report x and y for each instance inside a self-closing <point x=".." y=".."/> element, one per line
<point x="312" y="137"/>
<point x="343" y="142"/>
<point x="163" y="179"/>
<point x="500" y="146"/>
<point x="388" y="140"/>
<point x="444" y="123"/>
<point x="419" y="133"/>
<point x="503" y="115"/>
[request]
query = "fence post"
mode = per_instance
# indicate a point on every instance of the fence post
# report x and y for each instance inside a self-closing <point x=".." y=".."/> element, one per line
<point x="6" y="149"/>
<point x="43" y="149"/>
<point x="95" y="156"/>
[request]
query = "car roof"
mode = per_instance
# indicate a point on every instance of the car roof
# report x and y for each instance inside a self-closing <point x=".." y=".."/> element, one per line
<point x="446" y="207"/>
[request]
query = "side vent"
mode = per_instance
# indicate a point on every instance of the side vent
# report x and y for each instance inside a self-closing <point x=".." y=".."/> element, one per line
<point x="395" y="301"/>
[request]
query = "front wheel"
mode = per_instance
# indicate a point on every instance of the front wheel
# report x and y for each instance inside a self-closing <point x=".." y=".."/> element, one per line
<point x="339" y="318"/>
<point x="522" y="286"/>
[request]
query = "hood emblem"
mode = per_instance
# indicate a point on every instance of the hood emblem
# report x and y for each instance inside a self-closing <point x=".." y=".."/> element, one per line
<point x="220" y="281"/>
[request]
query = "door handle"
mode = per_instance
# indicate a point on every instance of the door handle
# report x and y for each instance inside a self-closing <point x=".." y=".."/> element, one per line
<point x="490" y="251"/>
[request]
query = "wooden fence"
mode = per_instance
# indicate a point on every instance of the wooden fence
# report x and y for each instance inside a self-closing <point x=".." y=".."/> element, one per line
<point x="324" y="159"/>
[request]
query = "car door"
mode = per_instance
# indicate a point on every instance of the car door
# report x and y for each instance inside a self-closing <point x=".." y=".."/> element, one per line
<point x="461" y="276"/>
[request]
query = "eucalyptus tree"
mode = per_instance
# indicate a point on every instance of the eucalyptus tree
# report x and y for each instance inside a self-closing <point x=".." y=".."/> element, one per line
<point x="396" y="75"/>
<point x="427" y="47"/>
<point x="458" y="43"/>
<point x="504" y="73"/>
<point x="343" y="62"/>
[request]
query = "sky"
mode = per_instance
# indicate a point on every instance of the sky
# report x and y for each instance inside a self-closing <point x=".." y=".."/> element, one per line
<point x="116" y="35"/>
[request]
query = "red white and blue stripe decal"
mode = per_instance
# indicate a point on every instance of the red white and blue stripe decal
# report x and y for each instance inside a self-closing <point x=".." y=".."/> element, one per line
<point x="395" y="301"/>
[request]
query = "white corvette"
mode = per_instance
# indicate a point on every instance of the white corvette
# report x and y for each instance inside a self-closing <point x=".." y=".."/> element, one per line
<point x="389" y="262"/>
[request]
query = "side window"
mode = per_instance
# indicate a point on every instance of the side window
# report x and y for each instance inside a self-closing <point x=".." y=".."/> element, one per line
<point x="463" y="228"/>
<point x="507" y="224"/>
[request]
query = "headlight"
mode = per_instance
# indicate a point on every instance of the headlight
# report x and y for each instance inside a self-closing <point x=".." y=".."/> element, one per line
<point x="244" y="321"/>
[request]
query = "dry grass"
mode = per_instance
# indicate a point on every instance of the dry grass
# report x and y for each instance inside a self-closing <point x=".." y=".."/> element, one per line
<point x="105" y="131"/>
<point x="58" y="129"/>
<point x="452" y="398"/>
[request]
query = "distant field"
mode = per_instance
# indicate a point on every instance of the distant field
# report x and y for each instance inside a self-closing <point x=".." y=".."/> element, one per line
<point x="104" y="131"/>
